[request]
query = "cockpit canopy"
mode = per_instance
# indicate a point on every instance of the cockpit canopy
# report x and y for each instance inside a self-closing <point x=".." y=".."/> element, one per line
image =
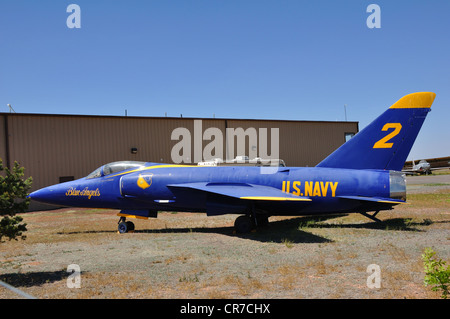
<point x="115" y="167"/>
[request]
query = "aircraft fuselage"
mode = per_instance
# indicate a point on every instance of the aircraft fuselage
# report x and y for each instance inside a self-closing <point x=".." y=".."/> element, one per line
<point x="150" y="188"/>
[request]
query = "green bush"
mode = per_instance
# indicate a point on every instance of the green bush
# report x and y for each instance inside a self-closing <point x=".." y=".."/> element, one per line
<point x="13" y="200"/>
<point x="437" y="273"/>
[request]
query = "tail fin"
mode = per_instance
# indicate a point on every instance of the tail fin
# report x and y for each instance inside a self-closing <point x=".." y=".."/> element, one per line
<point x="386" y="142"/>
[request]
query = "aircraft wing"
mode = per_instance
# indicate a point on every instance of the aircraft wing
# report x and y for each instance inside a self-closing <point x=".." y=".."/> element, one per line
<point x="410" y="171"/>
<point x="439" y="168"/>
<point x="243" y="191"/>
<point x="374" y="199"/>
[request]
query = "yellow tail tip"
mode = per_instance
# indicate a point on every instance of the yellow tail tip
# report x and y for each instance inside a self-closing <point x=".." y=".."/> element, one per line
<point x="415" y="100"/>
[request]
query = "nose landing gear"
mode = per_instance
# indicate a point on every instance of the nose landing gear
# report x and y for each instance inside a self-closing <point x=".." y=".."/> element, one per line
<point x="124" y="226"/>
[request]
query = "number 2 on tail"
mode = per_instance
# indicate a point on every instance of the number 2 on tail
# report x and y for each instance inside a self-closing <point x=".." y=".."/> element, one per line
<point x="382" y="143"/>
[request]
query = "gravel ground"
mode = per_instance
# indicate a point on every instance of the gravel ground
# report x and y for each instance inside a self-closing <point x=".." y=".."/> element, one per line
<point x="427" y="183"/>
<point x="182" y="255"/>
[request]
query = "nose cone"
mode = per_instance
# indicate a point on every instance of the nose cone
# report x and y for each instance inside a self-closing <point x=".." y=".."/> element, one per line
<point x="45" y="195"/>
<point x="76" y="194"/>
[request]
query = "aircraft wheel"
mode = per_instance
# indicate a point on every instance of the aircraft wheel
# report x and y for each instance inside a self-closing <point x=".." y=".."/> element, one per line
<point x="243" y="224"/>
<point x="262" y="220"/>
<point x="130" y="226"/>
<point x="125" y="227"/>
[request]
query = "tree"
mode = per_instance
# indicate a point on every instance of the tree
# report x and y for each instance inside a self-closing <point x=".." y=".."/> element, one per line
<point x="13" y="200"/>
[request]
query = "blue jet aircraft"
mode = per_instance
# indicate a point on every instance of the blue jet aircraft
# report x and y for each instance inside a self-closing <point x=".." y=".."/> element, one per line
<point x="362" y="176"/>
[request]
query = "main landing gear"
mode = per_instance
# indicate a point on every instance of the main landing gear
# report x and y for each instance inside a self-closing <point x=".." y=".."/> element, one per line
<point x="124" y="226"/>
<point x="243" y="224"/>
<point x="247" y="223"/>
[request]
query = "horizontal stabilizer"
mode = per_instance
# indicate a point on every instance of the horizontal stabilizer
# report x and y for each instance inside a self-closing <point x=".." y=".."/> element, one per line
<point x="374" y="199"/>
<point x="242" y="191"/>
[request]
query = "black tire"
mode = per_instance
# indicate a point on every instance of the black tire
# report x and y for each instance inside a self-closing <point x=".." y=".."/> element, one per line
<point x="130" y="226"/>
<point x="243" y="224"/>
<point x="262" y="220"/>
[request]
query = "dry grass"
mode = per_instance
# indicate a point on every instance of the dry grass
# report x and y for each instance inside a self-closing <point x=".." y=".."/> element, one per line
<point x="191" y="256"/>
<point x="440" y="200"/>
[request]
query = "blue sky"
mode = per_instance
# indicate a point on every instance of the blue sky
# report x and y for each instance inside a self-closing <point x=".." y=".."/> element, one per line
<point x="292" y="59"/>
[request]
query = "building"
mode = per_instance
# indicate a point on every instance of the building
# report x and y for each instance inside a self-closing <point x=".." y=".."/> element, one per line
<point x="58" y="148"/>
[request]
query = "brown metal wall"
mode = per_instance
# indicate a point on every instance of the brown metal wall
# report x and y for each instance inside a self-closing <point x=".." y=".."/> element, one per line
<point x="53" y="146"/>
<point x="2" y="139"/>
<point x="303" y="143"/>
